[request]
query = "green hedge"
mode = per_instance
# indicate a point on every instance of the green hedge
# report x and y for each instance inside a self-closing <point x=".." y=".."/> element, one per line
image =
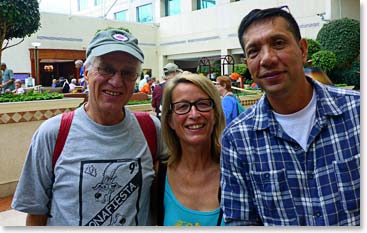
<point x="342" y="37"/>
<point x="326" y="60"/>
<point x="348" y="76"/>
<point x="313" y="47"/>
<point x="30" y="96"/>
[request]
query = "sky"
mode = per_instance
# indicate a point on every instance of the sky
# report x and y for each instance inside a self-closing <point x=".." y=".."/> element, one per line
<point x="55" y="6"/>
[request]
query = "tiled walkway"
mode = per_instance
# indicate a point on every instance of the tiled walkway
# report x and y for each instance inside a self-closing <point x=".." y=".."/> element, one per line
<point x="8" y="216"/>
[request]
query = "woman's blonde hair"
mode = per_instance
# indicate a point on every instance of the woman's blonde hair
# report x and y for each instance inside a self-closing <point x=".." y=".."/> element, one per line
<point x="170" y="136"/>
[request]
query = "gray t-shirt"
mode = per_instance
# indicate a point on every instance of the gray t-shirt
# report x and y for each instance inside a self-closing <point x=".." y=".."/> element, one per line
<point x="102" y="177"/>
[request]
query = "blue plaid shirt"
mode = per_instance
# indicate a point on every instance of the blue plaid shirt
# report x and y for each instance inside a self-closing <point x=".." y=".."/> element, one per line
<point x="268" y="179"/>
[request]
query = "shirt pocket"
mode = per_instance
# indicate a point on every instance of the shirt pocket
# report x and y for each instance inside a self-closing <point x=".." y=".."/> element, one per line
<point x="347" y="174"/>
<point x="274" y="198"/>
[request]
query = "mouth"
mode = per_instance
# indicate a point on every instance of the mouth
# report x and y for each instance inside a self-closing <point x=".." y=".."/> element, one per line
<point x="272" y="74"/>
<point x="197" y="126"/>
<point x="112" y="93"/>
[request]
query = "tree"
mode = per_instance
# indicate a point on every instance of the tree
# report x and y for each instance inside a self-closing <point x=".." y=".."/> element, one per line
<point x="18" y="19"/>
<point x="342" y="37"/>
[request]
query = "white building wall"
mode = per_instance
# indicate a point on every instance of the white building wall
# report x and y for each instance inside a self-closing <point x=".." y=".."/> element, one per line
<point x="192" y="34"/>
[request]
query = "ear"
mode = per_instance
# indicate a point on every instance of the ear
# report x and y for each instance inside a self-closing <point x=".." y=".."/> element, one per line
<point x="304" y="49"/>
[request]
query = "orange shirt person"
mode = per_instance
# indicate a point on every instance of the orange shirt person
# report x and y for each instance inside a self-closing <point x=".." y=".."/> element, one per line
<point x="146" y="88"/>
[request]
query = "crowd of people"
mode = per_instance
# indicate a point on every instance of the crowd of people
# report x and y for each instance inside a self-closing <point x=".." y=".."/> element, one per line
<point x="293" y="158"/>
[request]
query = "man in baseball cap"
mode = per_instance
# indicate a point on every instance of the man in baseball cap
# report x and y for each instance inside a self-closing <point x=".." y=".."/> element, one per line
<point x="104" y="172"/>
<point x="170" y="70"/>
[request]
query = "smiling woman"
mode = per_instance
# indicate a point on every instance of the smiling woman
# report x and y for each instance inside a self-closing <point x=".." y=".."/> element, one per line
<point x="193" y="120"/>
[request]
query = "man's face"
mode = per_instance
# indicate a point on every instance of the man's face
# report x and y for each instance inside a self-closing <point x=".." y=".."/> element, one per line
<point x="3" y="67"/>
<point x="111" y="82"/>
<point x="274" y="57"/>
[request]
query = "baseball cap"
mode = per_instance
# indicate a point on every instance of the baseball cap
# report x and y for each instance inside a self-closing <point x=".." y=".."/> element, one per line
<point x="148" y="78"/>
<point x="171" y="67"/>
<point x="114" y="40"/>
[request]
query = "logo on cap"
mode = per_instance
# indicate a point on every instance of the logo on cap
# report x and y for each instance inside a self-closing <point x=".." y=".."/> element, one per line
<point x="120" y="37"/>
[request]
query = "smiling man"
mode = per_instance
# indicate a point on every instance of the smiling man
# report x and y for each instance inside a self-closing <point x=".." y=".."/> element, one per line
<point x="104" y="172"/>
<point x="294" y="157"/>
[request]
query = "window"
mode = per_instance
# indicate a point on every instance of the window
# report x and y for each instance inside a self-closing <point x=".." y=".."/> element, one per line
<point x="82" y="5"/>
<point x="203" y="4"/>
<point x="121" y="15"/>
<point x="173" y="7"/>
<point x="97" y="2"/>
<point x="144" y="13"/>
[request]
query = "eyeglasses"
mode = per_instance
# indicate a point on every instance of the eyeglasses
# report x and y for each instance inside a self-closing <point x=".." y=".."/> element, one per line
<point x="110" y="72"/>
<point x="183" y="107"/>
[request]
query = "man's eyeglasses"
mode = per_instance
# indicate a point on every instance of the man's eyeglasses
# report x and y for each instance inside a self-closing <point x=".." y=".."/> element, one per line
<point x="110" y="72"/>
<point x="183" y="107"/>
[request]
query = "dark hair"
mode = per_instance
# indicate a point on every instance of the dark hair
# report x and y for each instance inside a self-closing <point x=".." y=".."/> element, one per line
<point x="270" y="13"/>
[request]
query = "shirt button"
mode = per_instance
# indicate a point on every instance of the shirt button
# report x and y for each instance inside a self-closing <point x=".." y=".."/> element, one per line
<point x="266" y="175"/>
<point x="318" y="214"/>
<point x="310" y="176"/>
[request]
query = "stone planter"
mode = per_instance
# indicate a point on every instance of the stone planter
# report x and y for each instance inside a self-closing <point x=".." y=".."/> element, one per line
<point x="18" y="122"/>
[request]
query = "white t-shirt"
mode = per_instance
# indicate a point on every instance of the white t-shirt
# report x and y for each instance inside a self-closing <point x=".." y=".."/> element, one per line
<point x="298" y="125"/>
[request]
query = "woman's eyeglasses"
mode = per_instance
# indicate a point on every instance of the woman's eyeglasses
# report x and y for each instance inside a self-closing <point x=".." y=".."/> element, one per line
<point x="183" y="107"/>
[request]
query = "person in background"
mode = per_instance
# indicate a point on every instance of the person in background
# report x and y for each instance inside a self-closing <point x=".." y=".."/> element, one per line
<point x="170" y="70"/>
<point x="105" y="180"/>
<point x="155" y="83"/>
<point x="18" y="87"/>
<point x="64" y="84"/>
<point x="146" y="88"/>
<point x="229" y="101"/>
<point x="192" y="123"/>
<point x="293" y="158"/>
<point x="80" y="67"/>
<point x="143" y="81"/>
<point x="54" y="83"/>
<point x="8" y="78"/>
<point x="72" y="85"/>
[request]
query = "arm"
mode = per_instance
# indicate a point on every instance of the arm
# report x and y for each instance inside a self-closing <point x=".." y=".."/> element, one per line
<point x="237" y="199"/>
<point x="36" y="220"/>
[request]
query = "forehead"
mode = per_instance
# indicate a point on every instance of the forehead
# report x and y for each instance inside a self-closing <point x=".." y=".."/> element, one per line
<point x="266" y="28"/>
<point x="187" y="91"/>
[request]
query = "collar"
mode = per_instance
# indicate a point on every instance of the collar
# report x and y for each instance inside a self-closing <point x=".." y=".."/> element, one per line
<point x="326" y="105"/>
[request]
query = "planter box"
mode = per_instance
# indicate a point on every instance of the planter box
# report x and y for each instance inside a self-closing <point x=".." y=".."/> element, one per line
<point x="18" y="122"/>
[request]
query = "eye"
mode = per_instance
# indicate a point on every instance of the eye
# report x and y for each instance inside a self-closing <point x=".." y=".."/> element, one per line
<point x="181" y="106"/>
<point x="108" y="71"/>
<point x="252" y="52"/>
<point x="279" y="43"/>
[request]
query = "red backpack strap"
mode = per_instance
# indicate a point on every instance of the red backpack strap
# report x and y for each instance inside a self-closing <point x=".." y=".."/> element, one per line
<point x="65" y="124"/>
<point x="148" y="127"/>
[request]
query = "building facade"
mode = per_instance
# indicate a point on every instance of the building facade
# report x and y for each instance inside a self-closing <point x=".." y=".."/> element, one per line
<point x="179" y="31"/>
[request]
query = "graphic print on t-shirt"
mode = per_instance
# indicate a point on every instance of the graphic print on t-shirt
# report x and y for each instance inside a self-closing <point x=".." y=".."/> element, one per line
<point x="109" y="192"/>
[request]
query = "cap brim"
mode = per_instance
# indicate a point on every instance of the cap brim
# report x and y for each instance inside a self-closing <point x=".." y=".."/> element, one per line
<point x="109" y="48"/>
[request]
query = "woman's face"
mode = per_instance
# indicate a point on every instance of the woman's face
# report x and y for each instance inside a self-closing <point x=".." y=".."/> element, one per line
<point x="194" y="127"/>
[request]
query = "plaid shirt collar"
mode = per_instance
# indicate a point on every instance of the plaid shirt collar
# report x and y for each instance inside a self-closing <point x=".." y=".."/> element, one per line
<point x="326" y="105"/>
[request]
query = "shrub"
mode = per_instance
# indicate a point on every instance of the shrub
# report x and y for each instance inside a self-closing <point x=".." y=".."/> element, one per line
<point x="240" y="69"/>
<point x="326" y="60"/>
<point x="349" y="76"/>
<point x="313" y="47"/>
<point x="342" y="37"/>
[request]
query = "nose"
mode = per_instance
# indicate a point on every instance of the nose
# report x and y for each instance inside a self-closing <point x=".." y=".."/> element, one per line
<point x="193" y="111"/>
<point x="268" y="57"/>
<point x="117" y="80"/>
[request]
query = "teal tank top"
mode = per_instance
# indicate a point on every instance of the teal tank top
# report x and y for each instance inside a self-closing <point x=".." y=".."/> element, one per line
<point x="178" y="215"/>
